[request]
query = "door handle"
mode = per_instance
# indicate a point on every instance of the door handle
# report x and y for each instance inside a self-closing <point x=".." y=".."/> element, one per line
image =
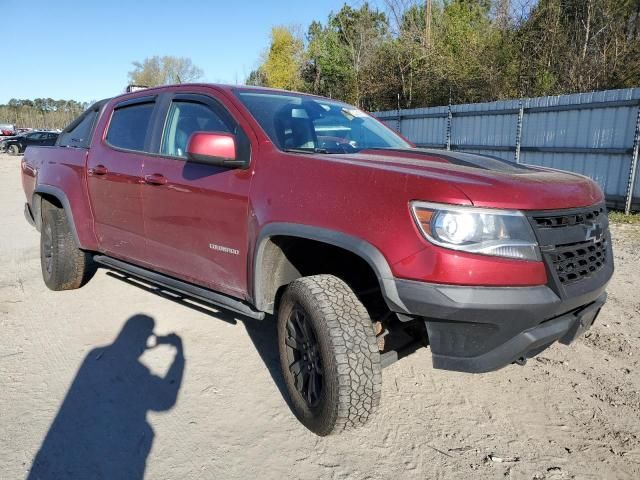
<point x="98" y="170"/>
<point x="155" y="179"/>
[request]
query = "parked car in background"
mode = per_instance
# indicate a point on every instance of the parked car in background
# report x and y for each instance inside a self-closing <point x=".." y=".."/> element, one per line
<point x="7" y="129"/>
<point x="18" y="144"/>
<point x="5" y="140"/>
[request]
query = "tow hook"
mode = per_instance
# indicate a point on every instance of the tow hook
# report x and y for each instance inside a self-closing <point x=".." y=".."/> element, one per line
<point x="522" y="361"/>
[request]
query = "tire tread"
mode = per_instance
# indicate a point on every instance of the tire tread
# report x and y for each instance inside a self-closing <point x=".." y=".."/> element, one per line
<point x="356" y="359"/>
<point x="72" y="267"/>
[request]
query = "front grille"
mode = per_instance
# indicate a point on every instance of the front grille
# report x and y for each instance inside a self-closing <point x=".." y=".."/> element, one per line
<point x="566" y="220"/>
<point x="575" y="262"/>
<point x="575" y="243"/>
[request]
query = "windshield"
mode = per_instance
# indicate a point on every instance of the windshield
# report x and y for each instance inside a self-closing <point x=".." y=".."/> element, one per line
<point x="309" y="124"/>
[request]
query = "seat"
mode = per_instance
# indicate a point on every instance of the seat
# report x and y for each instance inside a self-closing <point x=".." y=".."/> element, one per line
<point x="294" y="128"/>
<point x="186" y="126"/>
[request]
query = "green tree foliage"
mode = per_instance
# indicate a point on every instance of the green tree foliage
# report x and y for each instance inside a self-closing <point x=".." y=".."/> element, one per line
<point x="578" y="45"/>
<point x="340" y="55"/>
<point x="41" y="112"/>
<point x="154" y="71"/>
<point x="326" y="70"/>
<point x="257" y="78"/>
<point x="282" y="66"/>
<point x="461" y="51"/>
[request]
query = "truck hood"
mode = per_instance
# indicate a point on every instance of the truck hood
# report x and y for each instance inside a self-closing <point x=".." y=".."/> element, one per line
<point x="486" y="181"/>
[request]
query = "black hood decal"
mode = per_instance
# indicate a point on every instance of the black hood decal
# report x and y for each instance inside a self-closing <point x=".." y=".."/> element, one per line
<point x="474" y="160"/>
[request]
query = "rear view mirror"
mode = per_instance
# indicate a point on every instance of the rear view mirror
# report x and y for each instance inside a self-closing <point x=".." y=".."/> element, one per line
<point x="211" y="148"/>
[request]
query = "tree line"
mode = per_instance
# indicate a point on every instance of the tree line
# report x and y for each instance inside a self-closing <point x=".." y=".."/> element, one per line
<point x="416" y="53"/>
<point x="412" y="54"/>
<point x="44" y="113"/>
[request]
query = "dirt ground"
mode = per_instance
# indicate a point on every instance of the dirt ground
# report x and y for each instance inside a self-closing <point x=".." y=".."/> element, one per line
<point x="573" y="412"/>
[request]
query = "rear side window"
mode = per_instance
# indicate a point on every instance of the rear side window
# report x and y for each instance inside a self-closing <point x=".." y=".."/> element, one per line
<point x="80" y="134"/>
<point x="129" y="126"/>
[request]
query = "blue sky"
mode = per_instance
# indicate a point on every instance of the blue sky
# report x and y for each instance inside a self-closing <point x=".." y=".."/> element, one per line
<point x="83" y="49"/>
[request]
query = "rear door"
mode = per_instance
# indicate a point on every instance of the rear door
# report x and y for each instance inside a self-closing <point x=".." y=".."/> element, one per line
<point x="196" y="215"/>
<point x="114" y="172"/>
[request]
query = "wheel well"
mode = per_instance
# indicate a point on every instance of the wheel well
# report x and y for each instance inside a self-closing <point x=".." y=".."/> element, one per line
<point x="50" y="199"/>
<point x="287" y="258"/>
<point x="39" y="201"/>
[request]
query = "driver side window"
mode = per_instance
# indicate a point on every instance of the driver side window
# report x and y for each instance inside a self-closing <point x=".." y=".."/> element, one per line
<point x="184" y="119"/>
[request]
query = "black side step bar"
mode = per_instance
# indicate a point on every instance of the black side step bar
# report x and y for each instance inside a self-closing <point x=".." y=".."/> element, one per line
<point x="179" y="286"/>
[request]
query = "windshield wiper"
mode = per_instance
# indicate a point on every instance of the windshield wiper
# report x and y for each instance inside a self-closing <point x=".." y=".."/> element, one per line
<point x="306" y="150"/>
<point x="389" y="149"/>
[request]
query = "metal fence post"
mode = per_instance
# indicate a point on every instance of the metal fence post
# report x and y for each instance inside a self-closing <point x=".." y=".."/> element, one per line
<point x="399" y="118"/>
<point x="519" y="130"/>
<point x="449" y="119"/>
<point x="633" y="171"/>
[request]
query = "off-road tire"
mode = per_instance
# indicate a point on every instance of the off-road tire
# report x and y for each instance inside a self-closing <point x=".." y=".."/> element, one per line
<point x="348" y="352"/>
<point x="64" y="265"/>
<point x="13" y="150"/>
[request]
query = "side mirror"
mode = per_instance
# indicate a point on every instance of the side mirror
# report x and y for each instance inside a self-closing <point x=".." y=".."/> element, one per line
<point x="214" y="149"/>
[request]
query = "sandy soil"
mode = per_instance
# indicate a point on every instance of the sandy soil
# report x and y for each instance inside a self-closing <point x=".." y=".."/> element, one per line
<point x="573" y="412"/>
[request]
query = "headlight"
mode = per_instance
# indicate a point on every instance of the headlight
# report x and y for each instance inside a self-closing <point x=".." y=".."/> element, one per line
<point x="502" y="233"/>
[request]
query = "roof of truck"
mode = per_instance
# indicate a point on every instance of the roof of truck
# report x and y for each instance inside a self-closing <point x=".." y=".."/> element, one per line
<point x="220" y="86"/>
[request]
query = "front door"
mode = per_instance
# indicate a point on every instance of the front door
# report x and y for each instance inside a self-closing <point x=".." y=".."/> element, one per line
<point x="196" y="215"/>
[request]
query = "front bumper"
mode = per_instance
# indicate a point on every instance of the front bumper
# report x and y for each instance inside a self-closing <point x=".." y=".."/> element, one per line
<point x="480" y="329"/>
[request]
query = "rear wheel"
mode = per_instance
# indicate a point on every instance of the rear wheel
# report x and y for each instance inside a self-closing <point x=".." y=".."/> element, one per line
<point x="13" y="150"/>
<point x="328" y="354"/>
<point x="64" y="265"/>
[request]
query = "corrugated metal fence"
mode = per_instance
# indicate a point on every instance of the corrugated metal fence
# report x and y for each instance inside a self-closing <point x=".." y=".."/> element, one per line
<point x="595" y="134"/>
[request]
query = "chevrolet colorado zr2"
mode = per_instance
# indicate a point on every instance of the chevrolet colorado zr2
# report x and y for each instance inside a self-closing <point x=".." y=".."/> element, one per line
<point x="362" y="246"/>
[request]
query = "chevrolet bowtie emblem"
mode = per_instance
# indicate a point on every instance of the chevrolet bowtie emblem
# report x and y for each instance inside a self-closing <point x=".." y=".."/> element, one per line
<point x="594" y="232"/>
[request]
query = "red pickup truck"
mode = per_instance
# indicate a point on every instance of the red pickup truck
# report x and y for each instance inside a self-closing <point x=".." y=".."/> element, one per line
<point x="364" y="247"/>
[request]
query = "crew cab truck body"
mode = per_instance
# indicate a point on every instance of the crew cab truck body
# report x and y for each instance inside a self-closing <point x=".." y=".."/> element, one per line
<point x="364" y="247"/>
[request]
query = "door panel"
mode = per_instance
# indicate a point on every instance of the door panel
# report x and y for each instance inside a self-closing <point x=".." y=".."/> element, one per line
<point x="196" y="215"/>
<point x="32" y="139"/>
<point x="114" y="180"/>
<point x="196" y="223"/>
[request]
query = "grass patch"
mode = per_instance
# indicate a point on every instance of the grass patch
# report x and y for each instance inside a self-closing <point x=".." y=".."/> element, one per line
<point x="620" y="217"/>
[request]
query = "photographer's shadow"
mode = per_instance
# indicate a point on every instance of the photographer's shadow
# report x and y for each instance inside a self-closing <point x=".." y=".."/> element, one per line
<point x="101" y="429"/>
<point x="262" y="333"/>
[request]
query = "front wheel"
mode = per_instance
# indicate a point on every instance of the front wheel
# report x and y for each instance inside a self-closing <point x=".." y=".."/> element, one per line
<point x="328" y="354"/>
<point x="13" y="150"/>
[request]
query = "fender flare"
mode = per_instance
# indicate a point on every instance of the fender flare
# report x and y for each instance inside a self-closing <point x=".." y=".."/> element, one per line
<point x="355" y="245"/>
<point x="36" y="205"/>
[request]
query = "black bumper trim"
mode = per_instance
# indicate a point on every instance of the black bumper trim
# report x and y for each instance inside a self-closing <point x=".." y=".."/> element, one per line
<point x="525" y="344"/>
<point x="479" y="329"/>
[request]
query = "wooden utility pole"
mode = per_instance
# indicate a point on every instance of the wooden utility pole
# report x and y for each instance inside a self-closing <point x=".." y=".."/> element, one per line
<point x="427" y="24"/>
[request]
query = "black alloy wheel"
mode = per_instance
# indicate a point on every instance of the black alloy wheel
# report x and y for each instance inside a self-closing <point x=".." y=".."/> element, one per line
<point x="329" y="356"/>
<point x="304" y="356"/>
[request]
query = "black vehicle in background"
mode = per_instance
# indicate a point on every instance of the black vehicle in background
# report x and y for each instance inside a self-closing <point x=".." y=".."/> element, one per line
<point x="17" y="145"/>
